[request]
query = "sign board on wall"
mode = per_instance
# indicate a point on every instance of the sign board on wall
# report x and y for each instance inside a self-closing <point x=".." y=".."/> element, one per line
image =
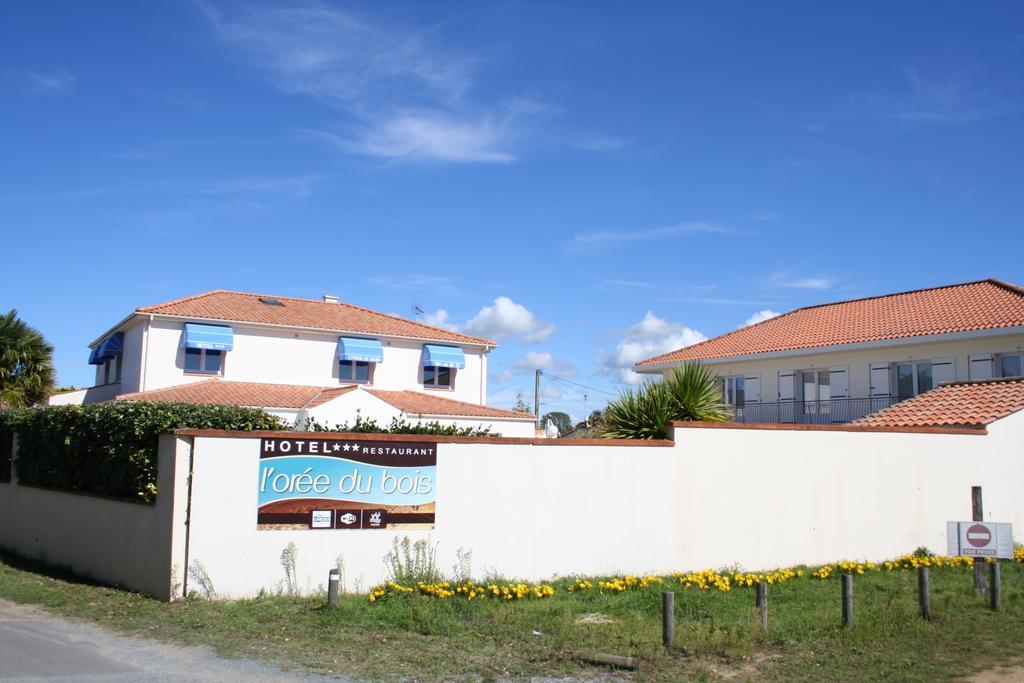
<point x="980" y="539"/>
<point x="345" y="484"/>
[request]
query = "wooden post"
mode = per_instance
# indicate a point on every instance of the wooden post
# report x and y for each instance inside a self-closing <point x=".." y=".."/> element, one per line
<point x="978" y="515"/>
<point x="995" y="587"/>
<point x="847" y="600"/>
<point x="333" y="588"/>
<point x="924" y="591"/>
<point x="668" y="617"/>
<point x="762" y="603"/>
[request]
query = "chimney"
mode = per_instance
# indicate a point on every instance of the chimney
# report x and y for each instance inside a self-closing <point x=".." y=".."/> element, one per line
<point x="330" y="299"/>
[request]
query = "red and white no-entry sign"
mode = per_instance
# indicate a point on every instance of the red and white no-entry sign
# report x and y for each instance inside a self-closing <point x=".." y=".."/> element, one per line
<point x="980" y="539"/>
<point x="979" y="536"/>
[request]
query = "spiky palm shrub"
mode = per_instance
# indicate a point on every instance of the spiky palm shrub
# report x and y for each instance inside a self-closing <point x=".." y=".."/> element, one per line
<point x="689" y="393"/>
<point x="26" y="363"/>
<point x="696" y="395"/>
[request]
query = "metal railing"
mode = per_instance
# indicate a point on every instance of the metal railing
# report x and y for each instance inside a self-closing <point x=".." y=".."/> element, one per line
<point x="834" y="411"/>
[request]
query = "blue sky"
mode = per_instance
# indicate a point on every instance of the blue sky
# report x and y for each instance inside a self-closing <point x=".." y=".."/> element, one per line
<point x="591" y="183"/>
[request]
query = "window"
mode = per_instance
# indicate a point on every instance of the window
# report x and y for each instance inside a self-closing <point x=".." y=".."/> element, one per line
<point x="734" y="389"/>
<point x="817" y="391"/>
<point x="438" y="377"/>
<point x="112" y="371"/>
<point x="204" y="361"/>
<point x="1010" y="365"/>
<point x="913" y="379"/>
<point x="357" y="371"/>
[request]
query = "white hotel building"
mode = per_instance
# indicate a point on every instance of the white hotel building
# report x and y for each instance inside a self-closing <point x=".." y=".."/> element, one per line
<point x="297" y="359"/>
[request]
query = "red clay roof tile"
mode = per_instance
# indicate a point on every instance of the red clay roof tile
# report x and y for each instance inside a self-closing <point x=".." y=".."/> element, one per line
<point x="308" y="313"/>
<point x="416" y="403"/>
<point x="252" y="394"/>
<point x="983" y="305"/>
<point x="957" y="404"/>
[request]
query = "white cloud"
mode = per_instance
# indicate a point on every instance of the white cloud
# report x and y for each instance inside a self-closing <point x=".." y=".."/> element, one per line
<point x="404" y="96"/>
<point x="649" y="337"/>
<point x="760" y="316"/>
<point x="816" y="282"/>
<point x="603" y="238"/>
<point x="506" y="318"/>
<point x="438" y="318"/>
<point x="429" y="135"/>
<point x="57" y="81"/>
<point x="423" y="282"/>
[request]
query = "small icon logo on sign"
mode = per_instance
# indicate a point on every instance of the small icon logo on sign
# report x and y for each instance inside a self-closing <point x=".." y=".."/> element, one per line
<point x="321" y="519"/>
<point x="348" y="519"/>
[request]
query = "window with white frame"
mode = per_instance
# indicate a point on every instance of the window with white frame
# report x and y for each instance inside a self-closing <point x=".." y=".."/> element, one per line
<point x="816" y="390"/>
<point x="913" y="378"/>
<point x="734" y="389"/>
<point x="437" y="377"/>
<point x="1010" y="365"/>
<point x="204" y="361"/>
<point x="356" y="371"/>
<point x="112" y="370"/>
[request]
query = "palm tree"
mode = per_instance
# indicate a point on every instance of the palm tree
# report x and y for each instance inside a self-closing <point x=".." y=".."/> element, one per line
<point x="26" y="363"/>
<point x="689" y="393"/>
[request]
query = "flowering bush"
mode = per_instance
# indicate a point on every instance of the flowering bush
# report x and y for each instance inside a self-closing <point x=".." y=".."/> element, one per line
<point x="708" y="579"/>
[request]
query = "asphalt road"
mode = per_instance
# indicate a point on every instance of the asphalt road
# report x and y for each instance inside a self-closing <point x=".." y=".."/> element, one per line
<point x="36" y="646"/>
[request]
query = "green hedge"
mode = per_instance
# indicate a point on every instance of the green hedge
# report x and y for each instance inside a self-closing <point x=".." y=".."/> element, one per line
<point x="110" y="449"/>
<point x="7" y="418"/>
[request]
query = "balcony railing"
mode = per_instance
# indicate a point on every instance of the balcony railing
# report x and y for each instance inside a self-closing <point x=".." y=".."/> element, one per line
<point x="831" y="412"/>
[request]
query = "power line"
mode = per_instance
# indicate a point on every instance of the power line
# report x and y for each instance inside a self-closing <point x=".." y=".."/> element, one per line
<point x="502" y="387"/>
<point x="581" y="386"/>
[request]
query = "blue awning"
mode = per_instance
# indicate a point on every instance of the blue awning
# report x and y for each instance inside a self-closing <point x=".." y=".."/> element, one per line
<point x="108" y="349"/>
<point x="438" y="356"/>
<point x="213" y="337"/>
<point x="368" y="350"/>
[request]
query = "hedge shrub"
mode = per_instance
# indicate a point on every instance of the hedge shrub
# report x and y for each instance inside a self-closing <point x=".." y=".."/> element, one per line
<point x="363" y="425"/>
<point x="7" y="418"/>
<point x="110" y="449"/>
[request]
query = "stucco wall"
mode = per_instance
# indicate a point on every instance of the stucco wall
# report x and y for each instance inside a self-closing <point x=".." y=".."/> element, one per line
<point x="859" y="361"/>
<point x="137" y="546"/>
<point x="771" y="497"/>
<point x="270" y="355"/>
<point x="524" y="511"/>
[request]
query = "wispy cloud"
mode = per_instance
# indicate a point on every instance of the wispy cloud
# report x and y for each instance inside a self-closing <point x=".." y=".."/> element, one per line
<point x="602" y="143"/>
<point x="815" y="282"/>
<point x="402" y="94"/>
<point x="58" y="81"/>
<point x="421" y="282"/>
<point x="294" y="186"/>
<point x="957" y="97"/>
<point x="605" y="238"/>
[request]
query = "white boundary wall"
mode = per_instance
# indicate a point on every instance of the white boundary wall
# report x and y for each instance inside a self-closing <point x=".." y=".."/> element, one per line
<point x="773" y="497"/>
<point x="754" y="497"/>
<point x="128" y="544"/>
<point x="525" y="511"/>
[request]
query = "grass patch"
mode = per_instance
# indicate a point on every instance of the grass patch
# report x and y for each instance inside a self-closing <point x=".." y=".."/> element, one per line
<point x="411" y="636"/>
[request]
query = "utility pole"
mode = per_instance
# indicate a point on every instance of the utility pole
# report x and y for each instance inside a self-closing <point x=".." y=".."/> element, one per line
<point x="536" y="395"/>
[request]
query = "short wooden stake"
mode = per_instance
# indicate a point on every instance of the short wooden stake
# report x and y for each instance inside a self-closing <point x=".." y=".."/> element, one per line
<point x="762" y="603"/>
<point x="924" y="596"/>
<point x="995" y="588"/>
<point x="847" y="600"/>
<point x="333" y="588"/>
<point x="668" y="617"/>
<point x="978" y="515"/>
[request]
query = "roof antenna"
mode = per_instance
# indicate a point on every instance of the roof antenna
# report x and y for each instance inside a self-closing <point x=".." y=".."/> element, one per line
<point x="417" y="312"/>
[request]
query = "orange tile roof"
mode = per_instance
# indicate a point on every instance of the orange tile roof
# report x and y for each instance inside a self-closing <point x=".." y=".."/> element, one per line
<point x="416" y="403"/>
<point x="253" y="394"/>
<point x="982" y="305"/>
<point x="956" y="404"/>
<point x="308" y="313"/>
